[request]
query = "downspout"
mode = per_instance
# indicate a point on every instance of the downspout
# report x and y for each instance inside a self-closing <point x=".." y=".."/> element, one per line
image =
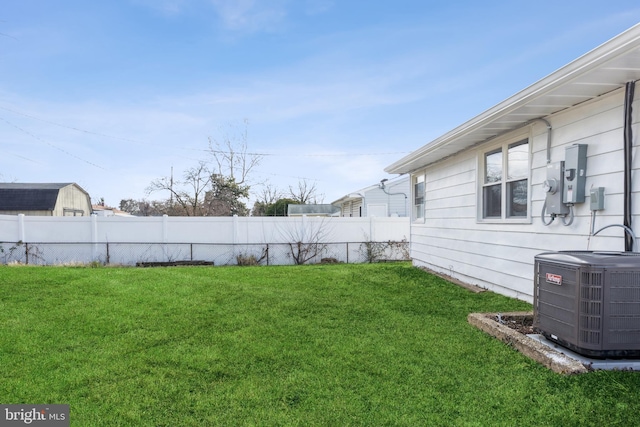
<point x="628" y="161"/>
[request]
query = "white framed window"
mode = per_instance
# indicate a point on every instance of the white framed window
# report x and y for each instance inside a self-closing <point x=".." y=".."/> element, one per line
<point x="418" y="196"/>
<point x="505" y="182"/>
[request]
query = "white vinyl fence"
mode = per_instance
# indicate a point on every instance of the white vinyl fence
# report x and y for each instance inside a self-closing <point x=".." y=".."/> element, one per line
<point x="219" y="240"/>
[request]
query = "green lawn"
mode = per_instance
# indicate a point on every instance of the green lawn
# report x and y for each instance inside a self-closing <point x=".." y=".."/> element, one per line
<point x="340" y="345"/>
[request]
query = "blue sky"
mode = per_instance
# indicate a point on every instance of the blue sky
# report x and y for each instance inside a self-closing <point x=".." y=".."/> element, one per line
<point x="114" y="94"/>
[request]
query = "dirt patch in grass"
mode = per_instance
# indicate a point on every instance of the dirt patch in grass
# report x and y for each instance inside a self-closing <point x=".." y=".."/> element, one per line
<point x="522" y="323"/>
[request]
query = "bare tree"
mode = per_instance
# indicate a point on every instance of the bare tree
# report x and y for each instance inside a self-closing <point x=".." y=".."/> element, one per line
<point x="306" y="241"/>
<point x="231" y="157"/>
<point x="216" y="186"/>
<point x="187" y="194"/>
<point x="269" y="194"/>
<point x="267" y="197"/>
<point x="306" y="193"/>
<point x="145" y="207"/>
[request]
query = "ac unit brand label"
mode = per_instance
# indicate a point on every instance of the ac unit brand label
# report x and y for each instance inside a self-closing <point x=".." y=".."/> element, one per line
<point x="554" y="279"/>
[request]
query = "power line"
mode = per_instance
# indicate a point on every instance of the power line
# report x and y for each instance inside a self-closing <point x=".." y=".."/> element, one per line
<point x="25" y="158"/>
<point x="68" y="127"/>
<point x="262" y="154"/>
<point x="51" y="145"/>
<point x="289" y="176"/>
<point x="290" y="154"/>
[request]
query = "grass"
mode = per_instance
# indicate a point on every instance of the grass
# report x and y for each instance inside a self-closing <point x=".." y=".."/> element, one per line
<point x="339" y="345"/>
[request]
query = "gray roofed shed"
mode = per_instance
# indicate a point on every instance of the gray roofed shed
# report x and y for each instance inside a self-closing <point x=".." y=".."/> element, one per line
<point x="50" y="199"/>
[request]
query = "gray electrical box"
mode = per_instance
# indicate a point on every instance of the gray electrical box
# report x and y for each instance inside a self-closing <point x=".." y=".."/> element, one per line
<point x="575" y="173"/>
<point x="553" y="187"/>
<point x="596" y="196"/>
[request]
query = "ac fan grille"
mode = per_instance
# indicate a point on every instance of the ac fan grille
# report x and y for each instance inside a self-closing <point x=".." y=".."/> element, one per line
<point x="590" y="308"/>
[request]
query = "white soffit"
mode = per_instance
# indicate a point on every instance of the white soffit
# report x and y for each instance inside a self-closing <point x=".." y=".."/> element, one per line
<point x="604" y="69"/>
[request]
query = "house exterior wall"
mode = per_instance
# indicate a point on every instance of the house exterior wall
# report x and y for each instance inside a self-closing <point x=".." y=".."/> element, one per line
<point x="499" y="254"/>
<point x="71" y="199"/>
<point x="351" y="208"/>
<point x="374" y="201"/>
<point x="396" y="203"/>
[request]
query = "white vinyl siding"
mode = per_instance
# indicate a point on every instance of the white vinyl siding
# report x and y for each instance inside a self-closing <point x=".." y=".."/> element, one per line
<point x="377" y="209"/>
<point x="395" y="197"/>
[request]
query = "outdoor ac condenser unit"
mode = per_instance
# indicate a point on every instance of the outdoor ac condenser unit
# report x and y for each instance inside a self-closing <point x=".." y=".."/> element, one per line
<point x="589" y="302"/>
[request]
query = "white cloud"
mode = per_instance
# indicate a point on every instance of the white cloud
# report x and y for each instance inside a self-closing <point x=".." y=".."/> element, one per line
<point x="167" y="7"/>
<point x="251" y="15"/>
<point x="316" y="7"/>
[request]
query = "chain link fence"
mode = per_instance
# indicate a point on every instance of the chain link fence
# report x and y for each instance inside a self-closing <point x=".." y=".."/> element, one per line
<point x="129" y="254"/>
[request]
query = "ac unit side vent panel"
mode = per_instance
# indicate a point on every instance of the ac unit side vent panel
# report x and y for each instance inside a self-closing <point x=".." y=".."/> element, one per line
<point x="589" y="337"/>
<point x="591" y="279"/>
<point x="625" y="293"/>
<point x="591" y="293"/>
<point x="631" y="279"/>
<point x="627" y="337"/>
<point x="590" y="322"/>
<point x="624" y="323"/>
<point x="624" y="309"/>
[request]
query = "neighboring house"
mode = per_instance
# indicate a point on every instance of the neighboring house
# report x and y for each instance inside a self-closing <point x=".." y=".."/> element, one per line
<point x="387" y="198"/>
<point x="101" y="210"/>
<point x="312" y="210"/>
<point x="480" y="208"/>
<point x="66" y="199"/>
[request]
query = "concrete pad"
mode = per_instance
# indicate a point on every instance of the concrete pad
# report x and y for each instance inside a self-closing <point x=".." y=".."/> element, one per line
<point x="590" y="363"/>
<point x="549" y="357"/>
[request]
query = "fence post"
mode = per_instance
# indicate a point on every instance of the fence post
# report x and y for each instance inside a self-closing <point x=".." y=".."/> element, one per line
<point x="21" y="237"/>
<point x="165" y="237"/>
<point x="165" y="219"/>
<point x="94" y="237"/>
<point x="26" y="253"/>
<point x="304" y="228"/>
<point x="235" y="229"/>
<point x="347" y="252"/>
<point x="372" y="229"/>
